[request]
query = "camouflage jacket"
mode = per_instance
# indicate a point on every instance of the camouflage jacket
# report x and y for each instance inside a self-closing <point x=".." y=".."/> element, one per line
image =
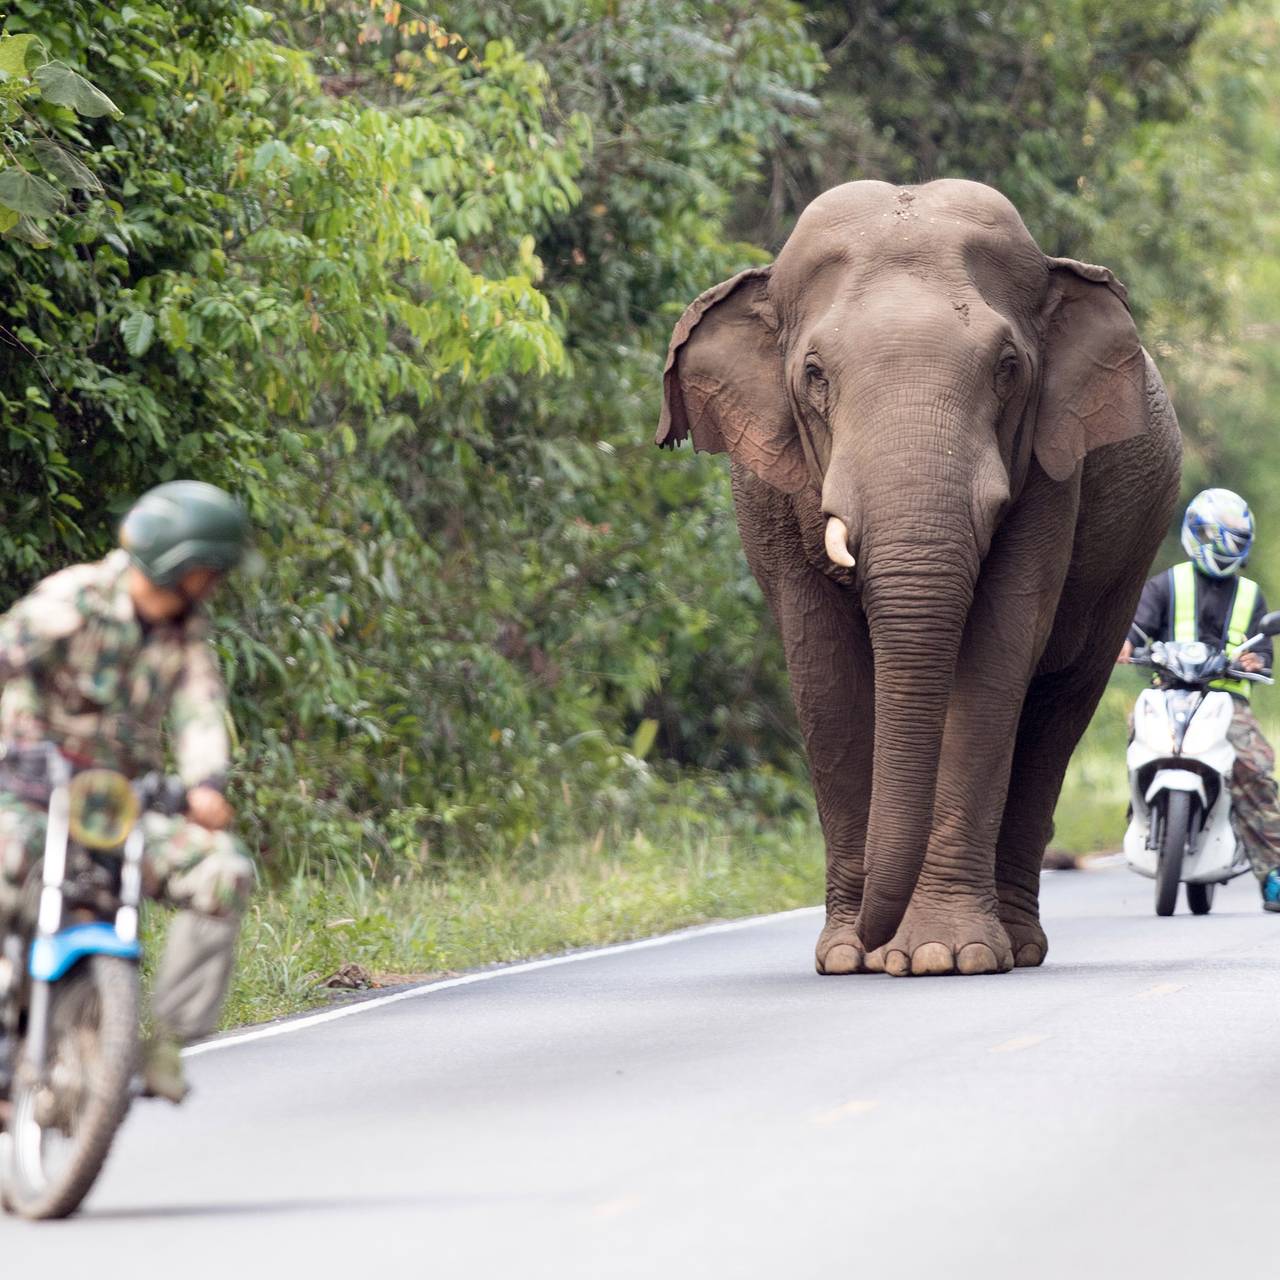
<point x="81" y="670"/>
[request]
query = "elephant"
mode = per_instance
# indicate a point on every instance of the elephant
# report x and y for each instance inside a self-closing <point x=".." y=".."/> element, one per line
<point x="952" y="464"/>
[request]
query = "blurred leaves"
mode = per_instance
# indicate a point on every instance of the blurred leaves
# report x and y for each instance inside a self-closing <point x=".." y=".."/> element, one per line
<point x="29" y="84"/>
<point x="23" y="192"/>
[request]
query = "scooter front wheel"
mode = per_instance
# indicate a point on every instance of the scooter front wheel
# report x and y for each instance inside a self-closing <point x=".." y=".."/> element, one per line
<point x="1200" y="898"/>
<point x="1173" y="844"/>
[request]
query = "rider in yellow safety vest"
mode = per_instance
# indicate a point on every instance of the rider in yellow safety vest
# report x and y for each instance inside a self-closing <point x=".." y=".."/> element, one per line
<point x="1206" y="598"/>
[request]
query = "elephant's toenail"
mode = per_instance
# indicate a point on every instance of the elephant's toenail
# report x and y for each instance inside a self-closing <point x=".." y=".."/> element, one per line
<point x="1030" y="954"/>
<point x="977" y="957"/>
<point x="897" y="963"/>
<point x="933" y="957"/>
<point x="841" y="958"/>
<point x="874" y="960"/>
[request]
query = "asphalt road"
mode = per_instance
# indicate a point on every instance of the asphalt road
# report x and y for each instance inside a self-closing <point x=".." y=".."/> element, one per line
<point x="710" y="1108"/>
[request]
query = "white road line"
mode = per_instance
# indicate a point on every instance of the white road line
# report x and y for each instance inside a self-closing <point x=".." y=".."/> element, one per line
<point x="1163" y="989"/>
<point x="858" y="1107"/>
<point x="616" y="1208"/>
<point x="485" y="975"/>
<point x="1018" y="1043"/>
<point x="1107" y="860"/>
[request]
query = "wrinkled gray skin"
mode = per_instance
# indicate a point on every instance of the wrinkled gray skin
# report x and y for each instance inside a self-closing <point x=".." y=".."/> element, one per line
<point x="1005" y="460"/>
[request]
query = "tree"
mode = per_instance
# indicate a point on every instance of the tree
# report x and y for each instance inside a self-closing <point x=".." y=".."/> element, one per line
<point x="1041" y="102"/>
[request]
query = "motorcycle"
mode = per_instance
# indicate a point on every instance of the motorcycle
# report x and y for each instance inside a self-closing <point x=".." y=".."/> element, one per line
<point x="69" y="997"/>
<point x="1180" y="762"/>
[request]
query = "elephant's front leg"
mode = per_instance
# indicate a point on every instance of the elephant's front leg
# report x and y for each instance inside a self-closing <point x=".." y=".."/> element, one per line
<point x="829" y="661"/>
<point x="953" y="924"/>
<point x="828" y="653"/>
<point x="824" y="636"/>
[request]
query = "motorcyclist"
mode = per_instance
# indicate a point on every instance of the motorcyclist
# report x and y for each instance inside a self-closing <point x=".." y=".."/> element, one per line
<point x="1208" y="599"/>
<point x="97" y="659"/>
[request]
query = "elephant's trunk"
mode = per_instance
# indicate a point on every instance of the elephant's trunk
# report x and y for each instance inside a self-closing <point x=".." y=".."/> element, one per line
<point x="917" y="590"/>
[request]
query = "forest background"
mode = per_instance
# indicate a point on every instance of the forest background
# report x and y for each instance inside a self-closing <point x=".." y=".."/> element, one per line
<point x="404" y="279"/>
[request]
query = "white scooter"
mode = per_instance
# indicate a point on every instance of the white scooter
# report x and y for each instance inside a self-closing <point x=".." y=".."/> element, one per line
<point x="1180" y="763"/>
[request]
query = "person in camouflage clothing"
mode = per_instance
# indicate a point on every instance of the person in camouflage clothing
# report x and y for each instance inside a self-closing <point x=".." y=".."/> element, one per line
<point x="1208" y="599"/>
<point x="101" y="659"/>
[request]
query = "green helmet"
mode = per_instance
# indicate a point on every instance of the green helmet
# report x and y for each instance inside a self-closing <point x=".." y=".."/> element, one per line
<point x="184" y="525"/>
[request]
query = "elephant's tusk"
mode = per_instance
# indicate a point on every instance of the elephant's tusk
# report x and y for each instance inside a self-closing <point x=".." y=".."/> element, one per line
<point x="838" y="543"/>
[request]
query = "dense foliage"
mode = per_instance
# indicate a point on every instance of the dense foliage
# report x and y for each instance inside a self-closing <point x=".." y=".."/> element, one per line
<point x="406" y="281"/>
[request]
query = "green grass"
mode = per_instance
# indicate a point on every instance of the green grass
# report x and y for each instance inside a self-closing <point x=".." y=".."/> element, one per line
<point x="454" y="918"/>
<point x="1091" y="809"/>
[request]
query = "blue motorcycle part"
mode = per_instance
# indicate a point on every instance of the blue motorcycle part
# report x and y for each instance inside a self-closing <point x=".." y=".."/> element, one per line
<point x="52" y="957"/>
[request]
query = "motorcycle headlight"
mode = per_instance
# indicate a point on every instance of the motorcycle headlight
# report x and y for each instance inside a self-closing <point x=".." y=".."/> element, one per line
<point x="103" y="809"/>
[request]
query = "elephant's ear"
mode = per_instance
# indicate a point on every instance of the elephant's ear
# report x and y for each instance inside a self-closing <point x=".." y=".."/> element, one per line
<point x="723" y="383"/>
<point x="1093" y="380"/>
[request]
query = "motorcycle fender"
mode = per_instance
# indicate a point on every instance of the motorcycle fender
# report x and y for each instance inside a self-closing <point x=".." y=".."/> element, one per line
<point x="53" y="956"/>
<point x="1177" y="780"/>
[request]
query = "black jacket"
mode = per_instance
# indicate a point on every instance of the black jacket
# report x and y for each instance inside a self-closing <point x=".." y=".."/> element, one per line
<point x="1214" y="598"/>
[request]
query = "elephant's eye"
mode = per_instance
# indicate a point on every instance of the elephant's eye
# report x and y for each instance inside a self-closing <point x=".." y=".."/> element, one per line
<point x="815" y="385"/>
<point x="1007" y="370"/>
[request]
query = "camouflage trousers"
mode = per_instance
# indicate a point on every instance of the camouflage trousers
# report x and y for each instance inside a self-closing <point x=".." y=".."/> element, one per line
<point x="1255" y="809"/>
<point x="205" y="873"/>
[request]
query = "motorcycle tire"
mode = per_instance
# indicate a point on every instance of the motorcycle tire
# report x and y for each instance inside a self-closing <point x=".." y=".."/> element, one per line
<point x="94" y="1009"/>
<point x="1200" y="898"/>
<point x="1173" y="844"/>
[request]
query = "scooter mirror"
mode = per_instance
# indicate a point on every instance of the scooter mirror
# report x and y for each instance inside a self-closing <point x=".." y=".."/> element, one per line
<point x="1270" y="624"/>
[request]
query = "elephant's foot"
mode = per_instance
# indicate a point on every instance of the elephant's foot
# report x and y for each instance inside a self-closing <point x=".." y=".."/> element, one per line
<point x="1020" y="915"/>
<point x="937" y="938"/>
<point x="1030" y="946"/>
<point x="839" y="950"/>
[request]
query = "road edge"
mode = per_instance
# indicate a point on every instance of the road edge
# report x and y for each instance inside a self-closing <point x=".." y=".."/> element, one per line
<point x="302" y="1022"/>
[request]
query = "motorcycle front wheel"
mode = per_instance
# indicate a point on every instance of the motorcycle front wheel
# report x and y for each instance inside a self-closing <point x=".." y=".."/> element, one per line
<point x="61" y="1128"/>
<point x="1200" y="898"/>
<point x="1173" y="844"/>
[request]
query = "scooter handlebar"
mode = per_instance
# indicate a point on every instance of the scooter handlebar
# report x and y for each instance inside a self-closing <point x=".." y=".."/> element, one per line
<point x="1255" y="677"/>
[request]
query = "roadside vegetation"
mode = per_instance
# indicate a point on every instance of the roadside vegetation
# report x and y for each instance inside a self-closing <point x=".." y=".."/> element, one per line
<point x="353" y="929"/>
<point x="404" y="278"/>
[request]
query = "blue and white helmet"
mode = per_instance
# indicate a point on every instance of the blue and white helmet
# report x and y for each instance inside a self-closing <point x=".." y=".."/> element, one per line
<point x="1217" y="532"/>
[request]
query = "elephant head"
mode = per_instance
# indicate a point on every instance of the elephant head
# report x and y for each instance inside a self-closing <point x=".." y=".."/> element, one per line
<point x="912" y="356"/>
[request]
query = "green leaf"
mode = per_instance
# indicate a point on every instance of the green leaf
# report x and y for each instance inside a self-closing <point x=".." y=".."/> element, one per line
<point x="7" y="219"/>
<point x="272" y="152"/>
<point x="25" y="193"/>
<point x="138" y="329"/>
<point x="13" y="54"/>
<point x="174" y="326"/>
<point x="66" y="88"/>
<point x="65" y="167"/>
<point x="645" y="736"/>
<point x="25" y="229"/>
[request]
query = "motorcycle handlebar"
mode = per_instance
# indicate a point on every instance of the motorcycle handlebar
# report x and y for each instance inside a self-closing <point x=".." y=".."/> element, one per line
<point x="43" y="764"/>
<point x="1142" y="658"/>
